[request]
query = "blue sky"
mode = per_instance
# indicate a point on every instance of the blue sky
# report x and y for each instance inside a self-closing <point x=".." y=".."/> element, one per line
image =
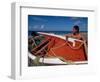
<point x="56" y="23"/>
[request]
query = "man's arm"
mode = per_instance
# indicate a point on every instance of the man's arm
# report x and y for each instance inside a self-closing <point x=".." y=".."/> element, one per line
<point x="67" y="36"/>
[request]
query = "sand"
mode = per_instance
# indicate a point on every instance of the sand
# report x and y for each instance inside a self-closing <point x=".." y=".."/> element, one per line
<point x="85" y="36"/>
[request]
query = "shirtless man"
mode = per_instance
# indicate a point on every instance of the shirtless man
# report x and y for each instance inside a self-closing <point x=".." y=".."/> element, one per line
<point x="75" y="33"/>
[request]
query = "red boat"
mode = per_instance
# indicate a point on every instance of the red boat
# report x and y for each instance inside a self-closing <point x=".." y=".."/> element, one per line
<point x="56" y="46"/>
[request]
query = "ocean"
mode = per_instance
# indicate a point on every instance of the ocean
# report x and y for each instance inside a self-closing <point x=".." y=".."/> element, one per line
<point x="54" y="32"/>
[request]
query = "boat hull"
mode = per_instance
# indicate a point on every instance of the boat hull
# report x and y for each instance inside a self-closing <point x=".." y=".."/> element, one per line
<point x="64" y="49"/>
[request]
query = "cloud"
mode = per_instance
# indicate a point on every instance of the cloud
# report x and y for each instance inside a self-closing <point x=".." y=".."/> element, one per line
<point x="42" y="27"/>
<point x="77" y="22"/>
<point x="37" y="27"/>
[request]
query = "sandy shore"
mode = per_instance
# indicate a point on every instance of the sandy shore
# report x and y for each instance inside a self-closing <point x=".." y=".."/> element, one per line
<point x="85" y="36"/>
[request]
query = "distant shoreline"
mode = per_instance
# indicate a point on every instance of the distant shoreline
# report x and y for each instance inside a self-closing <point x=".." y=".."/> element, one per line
<point x="56" y="32"/>
<point x="84" y="34"/>
<point x="53" y="31"/>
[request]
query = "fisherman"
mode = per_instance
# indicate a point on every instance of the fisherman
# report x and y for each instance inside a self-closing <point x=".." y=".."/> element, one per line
<point x="75" y="33"/>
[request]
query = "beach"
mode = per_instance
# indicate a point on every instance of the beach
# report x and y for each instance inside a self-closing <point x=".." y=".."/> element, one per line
<point x="85" y="36"/>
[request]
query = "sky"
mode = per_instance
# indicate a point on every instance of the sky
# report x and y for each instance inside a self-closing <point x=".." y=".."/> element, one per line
<point x="56" y="23"/>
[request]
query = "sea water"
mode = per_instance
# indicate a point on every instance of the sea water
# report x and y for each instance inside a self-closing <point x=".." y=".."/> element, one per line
<point x="55" y="32"/>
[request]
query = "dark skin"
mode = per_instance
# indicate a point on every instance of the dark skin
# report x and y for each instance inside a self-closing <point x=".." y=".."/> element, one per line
<point x="74" y="31"/>
<point x="75" y="34"/>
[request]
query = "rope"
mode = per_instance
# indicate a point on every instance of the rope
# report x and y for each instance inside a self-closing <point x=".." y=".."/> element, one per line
<point x="61" y="58"/>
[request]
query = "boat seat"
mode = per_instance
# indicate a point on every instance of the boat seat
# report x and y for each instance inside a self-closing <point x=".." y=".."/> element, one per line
<point x="46" y="47"/>
<point x="40" y="47"/>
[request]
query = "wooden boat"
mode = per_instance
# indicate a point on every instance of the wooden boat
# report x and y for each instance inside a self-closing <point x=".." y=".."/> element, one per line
<point x="56" y="46"/>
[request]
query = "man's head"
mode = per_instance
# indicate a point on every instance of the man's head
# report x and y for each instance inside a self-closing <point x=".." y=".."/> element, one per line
<point x="75" y="29"/>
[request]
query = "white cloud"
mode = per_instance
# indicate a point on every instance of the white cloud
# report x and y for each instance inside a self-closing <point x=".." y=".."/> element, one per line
<point x="35" y="26"/>
<point x="77" y="22"/>
<point x="42" y="26"/>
